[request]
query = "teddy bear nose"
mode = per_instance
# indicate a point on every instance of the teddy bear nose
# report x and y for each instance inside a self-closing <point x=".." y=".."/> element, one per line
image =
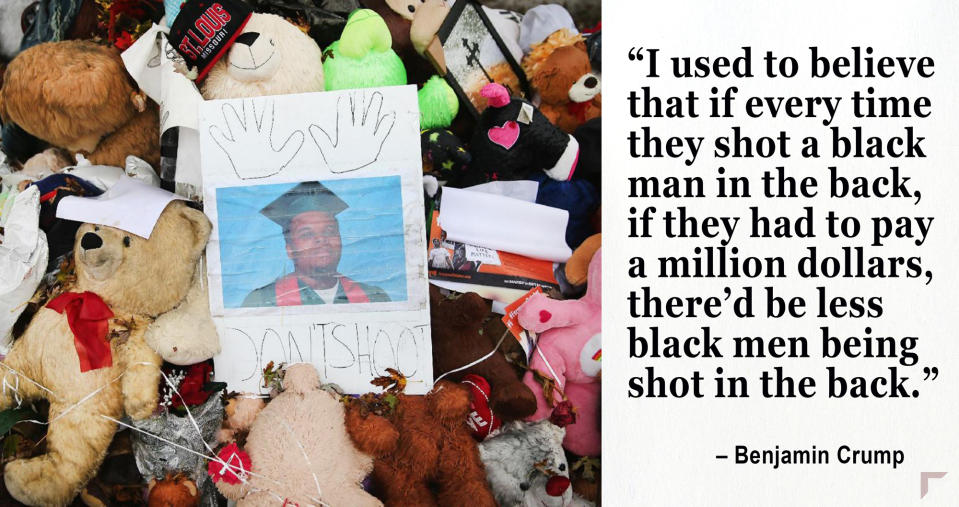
<point x="247" y="38"/>
<point x="90" y="241"/>
<point x="556" y="485"/>
<point x="590" y="82"/>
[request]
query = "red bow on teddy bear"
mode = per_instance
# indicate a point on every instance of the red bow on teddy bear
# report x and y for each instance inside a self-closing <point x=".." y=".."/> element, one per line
<point x="88" y="316"/>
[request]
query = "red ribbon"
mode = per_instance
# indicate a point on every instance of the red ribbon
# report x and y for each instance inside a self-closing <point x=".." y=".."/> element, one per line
<point x="88" y="316"/>
<point x="579" y="109"/>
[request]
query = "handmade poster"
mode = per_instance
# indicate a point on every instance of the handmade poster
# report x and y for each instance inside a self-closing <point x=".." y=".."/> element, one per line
<point x="318" y="236"/>
<point x="476" y="55"/>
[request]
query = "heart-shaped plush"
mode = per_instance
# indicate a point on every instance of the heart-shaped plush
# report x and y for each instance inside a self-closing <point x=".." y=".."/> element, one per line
<point x="505" y="136"/>
<point x="481" y="419"/>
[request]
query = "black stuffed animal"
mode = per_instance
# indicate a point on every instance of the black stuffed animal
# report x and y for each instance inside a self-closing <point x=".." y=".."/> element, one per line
<point x="514" y="140"/>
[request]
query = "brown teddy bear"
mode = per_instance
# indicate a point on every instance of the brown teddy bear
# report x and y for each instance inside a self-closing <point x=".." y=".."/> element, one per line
<point x="300" y="451"/>
<point x="85" y="352"/>
<point x="423" y="452"/>
<point x="559" y="69"/>
<point x="176" y="490"/>
<point x="459" y="339"/>
<point x="76" y="95"/>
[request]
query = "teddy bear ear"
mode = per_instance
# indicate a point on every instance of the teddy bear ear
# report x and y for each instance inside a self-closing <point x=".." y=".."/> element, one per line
<point x="139" y="100"/>
<point x="190" y="487"/>
<point x="474" y="307"/>
<point x="201" y="227"/>
<point x="577" y="267"/>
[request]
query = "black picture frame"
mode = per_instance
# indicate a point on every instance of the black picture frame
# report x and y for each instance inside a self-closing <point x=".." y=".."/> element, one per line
<point x="456" y="12"/>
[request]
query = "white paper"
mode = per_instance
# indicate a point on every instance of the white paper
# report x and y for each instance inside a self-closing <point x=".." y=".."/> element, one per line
<point x="129" y="205"/>
<point x="484" y="255"/>
<point x="139" y="169"/>
<point x="150" y="61"/>
<point x="250" y="148"/>
<point x="100" y="176"/>
<point x="105" y="176"/>
<point x="524" y="190"/>
<point x="142" y="61"/>
<point x="504" y="224"/>
<point x="21" y="237"/>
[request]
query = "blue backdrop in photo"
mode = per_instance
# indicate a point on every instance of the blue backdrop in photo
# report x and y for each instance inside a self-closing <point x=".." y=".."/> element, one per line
<point x="253" y="252"/>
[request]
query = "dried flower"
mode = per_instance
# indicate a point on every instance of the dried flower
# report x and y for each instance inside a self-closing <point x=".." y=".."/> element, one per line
<point x="564" y="414"/>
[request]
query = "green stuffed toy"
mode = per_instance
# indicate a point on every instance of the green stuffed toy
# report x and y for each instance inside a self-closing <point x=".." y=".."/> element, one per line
<point x="363" y="58"/>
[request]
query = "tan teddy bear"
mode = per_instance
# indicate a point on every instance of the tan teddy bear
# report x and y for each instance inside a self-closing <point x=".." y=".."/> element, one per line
<point x="85" y="351"/>
<point x="300" y="451"/>
<point x="77" y="95"/>
<point x="271" y="57"/>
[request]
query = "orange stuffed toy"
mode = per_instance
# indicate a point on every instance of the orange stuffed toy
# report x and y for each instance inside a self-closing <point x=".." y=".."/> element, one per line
<point x="559" y="69"/>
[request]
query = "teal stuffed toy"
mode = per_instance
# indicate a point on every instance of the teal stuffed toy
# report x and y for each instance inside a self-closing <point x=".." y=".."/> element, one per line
<point x="363" y="58"/>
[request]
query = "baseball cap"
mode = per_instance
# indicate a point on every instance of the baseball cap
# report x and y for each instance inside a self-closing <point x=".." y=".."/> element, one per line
<point x="205" y="29"/>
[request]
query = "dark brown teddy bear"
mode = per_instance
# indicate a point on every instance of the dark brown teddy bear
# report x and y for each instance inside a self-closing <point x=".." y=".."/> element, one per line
<point x="459" y="339"/>
<point x="423" y="452"/>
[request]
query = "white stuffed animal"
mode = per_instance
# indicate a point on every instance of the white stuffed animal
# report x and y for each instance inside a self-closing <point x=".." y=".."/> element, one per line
<point x="526" y="466"/>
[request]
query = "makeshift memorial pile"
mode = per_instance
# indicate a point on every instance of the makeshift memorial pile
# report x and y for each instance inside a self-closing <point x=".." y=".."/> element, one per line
<point x="299" y="253"/>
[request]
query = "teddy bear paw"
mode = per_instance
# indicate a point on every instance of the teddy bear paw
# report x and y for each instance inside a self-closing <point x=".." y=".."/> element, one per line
<point x="31" y="482"/>
<point x="140" y="405"/>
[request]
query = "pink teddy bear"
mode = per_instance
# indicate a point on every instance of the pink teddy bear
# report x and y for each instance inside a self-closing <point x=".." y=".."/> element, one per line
<point x="569" y="350"/>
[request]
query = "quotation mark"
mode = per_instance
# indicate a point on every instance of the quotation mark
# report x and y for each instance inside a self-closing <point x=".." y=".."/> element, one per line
<point x="635" y="54"/>
<point x="933" y="372"/>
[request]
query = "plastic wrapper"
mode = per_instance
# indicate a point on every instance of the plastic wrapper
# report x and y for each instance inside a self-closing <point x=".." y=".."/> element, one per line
<point x="23" y="256"/>
<point x="156" y="458"/>
<point x="325" y="18"/>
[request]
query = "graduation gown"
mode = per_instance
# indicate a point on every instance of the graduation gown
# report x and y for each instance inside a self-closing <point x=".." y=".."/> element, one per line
<point x="291" y="291"/>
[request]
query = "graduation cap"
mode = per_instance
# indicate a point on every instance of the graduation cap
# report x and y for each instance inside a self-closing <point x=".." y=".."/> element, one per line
<point x="307" y="196"/>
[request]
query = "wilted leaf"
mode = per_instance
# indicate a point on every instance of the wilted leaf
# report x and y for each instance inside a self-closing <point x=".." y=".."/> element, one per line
<point x="395" y="382"/>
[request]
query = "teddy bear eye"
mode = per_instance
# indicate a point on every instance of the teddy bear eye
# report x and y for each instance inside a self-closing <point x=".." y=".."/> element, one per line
<point x="126" y="241"/>
<point x="562" y="467"/>
<point x="411" y="8"/>
<point x="524" y="486"/>
<point x="96" y="227"/>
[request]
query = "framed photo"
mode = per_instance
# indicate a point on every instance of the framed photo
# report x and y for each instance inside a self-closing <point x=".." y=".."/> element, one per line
<point x="476" y="56"/>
